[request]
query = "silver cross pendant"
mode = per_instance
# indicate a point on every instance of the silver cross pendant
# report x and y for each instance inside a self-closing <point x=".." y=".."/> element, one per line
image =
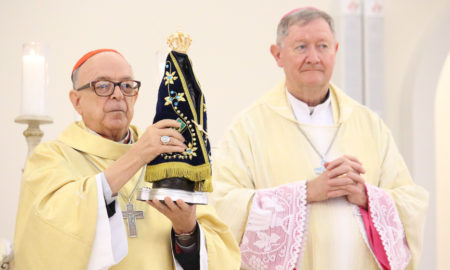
<point x="321" y="169"/>
<point x="131" y="215"/>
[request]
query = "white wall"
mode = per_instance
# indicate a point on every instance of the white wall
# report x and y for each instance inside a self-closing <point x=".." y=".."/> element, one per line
<point x="230" y="53"/>
<point x="412" y="107"/>
<point x="442" y="111"/>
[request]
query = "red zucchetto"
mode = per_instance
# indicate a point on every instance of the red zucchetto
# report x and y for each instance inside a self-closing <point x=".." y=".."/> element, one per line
<point x="89" y="55"/>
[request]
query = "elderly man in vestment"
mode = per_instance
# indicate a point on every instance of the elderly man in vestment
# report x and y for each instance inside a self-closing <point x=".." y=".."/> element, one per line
<point x="318" y="179"/>
<point x="77" y="206"/>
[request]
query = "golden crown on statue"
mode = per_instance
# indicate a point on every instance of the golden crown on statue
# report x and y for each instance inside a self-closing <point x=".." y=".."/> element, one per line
<point x="179" y="42"/>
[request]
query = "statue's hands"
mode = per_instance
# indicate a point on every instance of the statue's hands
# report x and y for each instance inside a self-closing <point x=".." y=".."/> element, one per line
<point x="181" y="214"/>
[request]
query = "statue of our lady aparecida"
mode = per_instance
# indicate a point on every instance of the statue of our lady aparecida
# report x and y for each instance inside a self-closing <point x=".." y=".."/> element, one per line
<point x="185" y="175"/>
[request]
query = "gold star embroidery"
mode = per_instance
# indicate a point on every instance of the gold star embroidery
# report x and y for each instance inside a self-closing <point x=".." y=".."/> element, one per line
<point x="170" y="77"/>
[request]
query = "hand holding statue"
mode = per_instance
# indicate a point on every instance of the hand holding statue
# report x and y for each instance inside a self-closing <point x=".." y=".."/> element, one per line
<point x="147" y="148"/>
<point x="181" y="214"/>
<point x="151" y="145"/>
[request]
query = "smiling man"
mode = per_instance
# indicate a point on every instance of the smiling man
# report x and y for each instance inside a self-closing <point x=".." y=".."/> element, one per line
<point x="322" y="183"/>
<point x="77" y="207"/>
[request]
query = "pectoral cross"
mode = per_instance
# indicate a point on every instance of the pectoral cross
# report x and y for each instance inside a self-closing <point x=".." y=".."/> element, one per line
<point x="130" y="214"/>
<point x="321" y="169"/>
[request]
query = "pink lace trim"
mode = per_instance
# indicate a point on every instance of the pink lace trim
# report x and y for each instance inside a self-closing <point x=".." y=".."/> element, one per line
<point x="276" y="228"/>
<point x="387" y="222"/>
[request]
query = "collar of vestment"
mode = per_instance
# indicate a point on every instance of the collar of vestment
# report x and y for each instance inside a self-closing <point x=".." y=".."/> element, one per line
<point x="78" y="136"/>
<point x="126" y="140"/>
<point x="320" y="114"/>
<point x="341" y="104"/>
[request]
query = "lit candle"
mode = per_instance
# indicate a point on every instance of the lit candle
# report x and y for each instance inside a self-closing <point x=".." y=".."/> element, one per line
<point x="34" y="81"/>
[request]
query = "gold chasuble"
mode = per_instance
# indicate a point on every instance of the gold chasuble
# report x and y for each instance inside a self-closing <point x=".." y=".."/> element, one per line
<point x="57" y="214"/>
<point x="264" y="152"/>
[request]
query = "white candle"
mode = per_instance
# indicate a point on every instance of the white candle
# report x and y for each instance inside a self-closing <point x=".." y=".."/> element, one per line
<point x="33" y="88"/>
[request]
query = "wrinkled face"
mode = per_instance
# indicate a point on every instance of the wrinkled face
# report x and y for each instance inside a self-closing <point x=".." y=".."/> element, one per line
<point x="108" y="116"/>
<point x="308" y="54"/>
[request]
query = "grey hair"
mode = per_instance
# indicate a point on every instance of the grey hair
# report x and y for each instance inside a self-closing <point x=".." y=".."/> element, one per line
<point x="74" y="77"/>
<point x="302" y="17"/>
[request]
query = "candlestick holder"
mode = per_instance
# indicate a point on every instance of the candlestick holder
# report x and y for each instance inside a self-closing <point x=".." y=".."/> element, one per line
<point x="33" y="134"/>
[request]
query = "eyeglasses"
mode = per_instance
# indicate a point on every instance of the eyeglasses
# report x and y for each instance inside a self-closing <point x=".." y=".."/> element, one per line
<point x="106" y="88"/>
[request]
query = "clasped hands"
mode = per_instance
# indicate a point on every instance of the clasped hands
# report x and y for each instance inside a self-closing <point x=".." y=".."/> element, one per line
<point x="341" y="178"/>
